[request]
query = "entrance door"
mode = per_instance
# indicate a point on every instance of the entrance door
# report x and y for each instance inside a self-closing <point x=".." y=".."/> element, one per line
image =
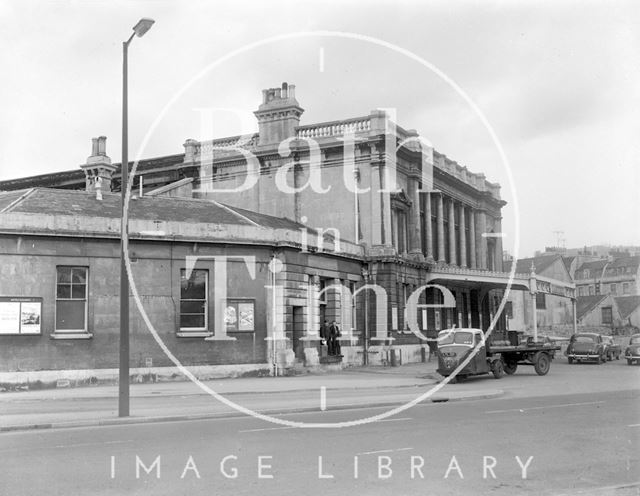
<point x="298" y="333"/>
<point x="475" y="309"/>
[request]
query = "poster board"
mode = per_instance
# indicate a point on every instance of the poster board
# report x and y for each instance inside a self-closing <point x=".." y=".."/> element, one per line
<point x="20" y="315"/>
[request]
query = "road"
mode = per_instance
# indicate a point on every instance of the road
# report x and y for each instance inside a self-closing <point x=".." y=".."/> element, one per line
<point x="175" y="399"/>
<point x="574" y="441"/>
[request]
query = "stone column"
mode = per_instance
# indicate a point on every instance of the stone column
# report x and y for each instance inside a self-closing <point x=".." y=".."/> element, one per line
<point x="472" y="238"/>
<point x="428" y="227"/>
<point x="463" y="238"/>
<point x="498" y="230"/>
<point x="386" y="211"/>
<point x="376" y="209"/>
<point x="414" y="219"/>
<point x="453" y="259"/>
<point x="481" y="228"/>
<point x="440" y="228"/>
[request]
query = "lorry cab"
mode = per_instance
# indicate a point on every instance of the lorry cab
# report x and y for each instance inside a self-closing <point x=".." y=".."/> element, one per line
<point x="455" y="345"/>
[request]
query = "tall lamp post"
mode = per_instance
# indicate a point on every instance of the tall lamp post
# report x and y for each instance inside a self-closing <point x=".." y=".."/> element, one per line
<point x="139" y="29"/>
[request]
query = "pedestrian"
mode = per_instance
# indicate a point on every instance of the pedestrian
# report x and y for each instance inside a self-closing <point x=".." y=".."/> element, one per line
<point x="334" y="334"/>
<point x="324" y="335"/>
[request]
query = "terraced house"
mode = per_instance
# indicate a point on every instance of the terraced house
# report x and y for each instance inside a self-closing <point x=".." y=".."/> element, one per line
<point x="618" y="276"/>
<point x="242" y="246"/>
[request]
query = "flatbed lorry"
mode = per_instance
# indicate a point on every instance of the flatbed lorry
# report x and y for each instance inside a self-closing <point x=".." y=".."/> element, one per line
<point x="499" y="354"/>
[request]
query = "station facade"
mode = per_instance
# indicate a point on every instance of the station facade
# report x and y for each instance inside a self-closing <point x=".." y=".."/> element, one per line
<point x="343" y="221"/>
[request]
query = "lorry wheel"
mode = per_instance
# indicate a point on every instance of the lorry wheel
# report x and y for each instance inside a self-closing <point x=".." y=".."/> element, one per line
<point x="498" y="369"/>
<point x="541" y="363"/>
<point x="510" y="367"/>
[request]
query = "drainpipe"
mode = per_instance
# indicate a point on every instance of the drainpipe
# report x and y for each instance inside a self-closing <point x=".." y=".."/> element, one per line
<point x="365" y="341"/>
<point x="274" y="323"/>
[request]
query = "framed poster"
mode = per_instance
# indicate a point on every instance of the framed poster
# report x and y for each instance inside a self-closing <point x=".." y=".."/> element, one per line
<point x="245" y="316"/>
<point x="239" y="315"/>
<point x="20" y="315"/>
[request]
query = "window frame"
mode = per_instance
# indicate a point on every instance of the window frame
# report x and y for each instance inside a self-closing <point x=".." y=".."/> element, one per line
<point x="71" y="285"/>
<point x="609" y="311"/>
<point x="508" y="309"/>
<point x="541" y="301"/>
<point x="206" y="302"/>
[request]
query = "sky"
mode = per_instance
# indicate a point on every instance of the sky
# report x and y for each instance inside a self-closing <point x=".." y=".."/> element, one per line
<point x="557" y="82"/>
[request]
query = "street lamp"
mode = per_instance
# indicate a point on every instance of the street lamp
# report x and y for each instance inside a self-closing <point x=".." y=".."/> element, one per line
<point x="139" y="29"/>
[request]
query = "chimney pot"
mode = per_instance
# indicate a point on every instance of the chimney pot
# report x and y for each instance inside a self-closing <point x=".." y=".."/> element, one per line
<point x="98" y="168"/>
<point x="279" y="114"/>
<point x="102" y="145"/>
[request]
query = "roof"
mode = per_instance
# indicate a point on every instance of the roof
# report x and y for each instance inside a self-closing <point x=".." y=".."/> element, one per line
<point x="75" y="177"/>
<point x="594" y="265"/>
<point x="48" y="201"/>
<point x="6" y="199"/>
<point x="628" y="261"/>
<point x="585" y="304"/>
<point x="523" y="266"/>
<point x="567" y="262"/>
<point x="627" y="305"/>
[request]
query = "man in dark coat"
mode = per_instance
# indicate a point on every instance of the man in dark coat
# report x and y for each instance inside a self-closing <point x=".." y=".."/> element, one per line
<point x="334" y="334"/>
<point x="324" y="334"/>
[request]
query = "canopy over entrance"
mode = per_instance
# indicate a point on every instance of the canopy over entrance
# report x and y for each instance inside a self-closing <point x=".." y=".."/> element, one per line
<point x="478" y="279"/>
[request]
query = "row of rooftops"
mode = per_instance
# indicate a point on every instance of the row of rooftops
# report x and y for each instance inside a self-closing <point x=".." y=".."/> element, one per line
<point x="599" y="269"/>
<point x="596" y="269"/>
<point x="605" y="268"/>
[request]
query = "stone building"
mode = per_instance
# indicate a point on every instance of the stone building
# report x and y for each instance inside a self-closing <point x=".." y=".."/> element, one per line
<point x="597" y="312"/>
<point x="369" y="210"/>
<point x="555" y="300"/>
<point x="619" y="276"/>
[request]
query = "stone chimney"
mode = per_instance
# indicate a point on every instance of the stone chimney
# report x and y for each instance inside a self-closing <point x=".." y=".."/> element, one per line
<point x="98" y="166"/>
<point x="278" y="115"/>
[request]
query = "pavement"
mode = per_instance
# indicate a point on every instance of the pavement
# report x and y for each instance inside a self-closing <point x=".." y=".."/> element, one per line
<point x="359" y="387"/>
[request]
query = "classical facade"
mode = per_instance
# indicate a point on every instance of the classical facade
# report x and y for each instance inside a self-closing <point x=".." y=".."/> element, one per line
<point x="372" y="215"/>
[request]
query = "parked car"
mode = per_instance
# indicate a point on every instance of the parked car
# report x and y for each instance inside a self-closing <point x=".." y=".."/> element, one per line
<point x="586" y="346"/>
<point x="612" y="349"/>
<point x="632" y="353"/>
